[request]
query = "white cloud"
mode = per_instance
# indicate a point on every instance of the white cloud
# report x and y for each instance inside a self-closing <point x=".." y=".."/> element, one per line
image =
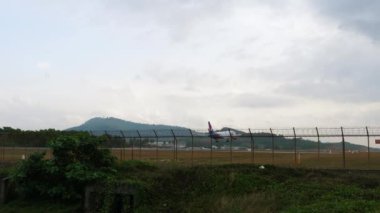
<point x="43" y="65"/>
<point x="360" y="16"/>
<point x="237" y="63"/>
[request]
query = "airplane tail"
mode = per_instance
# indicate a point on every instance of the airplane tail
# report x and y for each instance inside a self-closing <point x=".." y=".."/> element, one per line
<point x="210" y="130"/>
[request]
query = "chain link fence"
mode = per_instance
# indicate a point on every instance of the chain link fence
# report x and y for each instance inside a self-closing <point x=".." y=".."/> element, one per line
<point x="347" y="148"/>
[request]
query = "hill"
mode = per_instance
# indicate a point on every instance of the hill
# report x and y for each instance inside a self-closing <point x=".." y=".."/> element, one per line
<point x="115" y="124"/>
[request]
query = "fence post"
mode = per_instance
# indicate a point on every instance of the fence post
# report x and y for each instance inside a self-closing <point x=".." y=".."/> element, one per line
<point x="295" y="146"/>
<point x="252" y="146"/>
<point x="118" y="148"/>
<point x="319" y="142"/>
<point x="192" y="146"/>
<point x="174" y="145"/>
<point x="3" y="151"/>
<point x="123" y="148"/>
<point x="271" y="132"/>
<point x="110" y="144"/>
<point x="368" y="151"/>
<point x="155" y="133"/>
<point x="140" y="140"/>
<point x="2" y="147"/>
<point x="133" y="147"/>
<point x="211" y="150"/>
<point x="108" y="141"/>
<point x="106" y="134"/>
<point x="344" y="149"/>
<point x="229" y="131"/>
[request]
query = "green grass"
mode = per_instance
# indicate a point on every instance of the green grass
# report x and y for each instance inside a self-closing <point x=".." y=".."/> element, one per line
<point x="236" y="188"/>
<point x="38" y="206"/>
<point x="246" y="188"/>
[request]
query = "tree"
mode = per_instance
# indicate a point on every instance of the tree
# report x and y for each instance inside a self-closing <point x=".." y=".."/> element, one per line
<point x="77" y="161"/>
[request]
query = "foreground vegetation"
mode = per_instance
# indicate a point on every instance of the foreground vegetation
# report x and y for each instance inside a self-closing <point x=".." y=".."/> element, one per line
<point x="57" y="184"/>
<point x="236" y="188"/>
<point x="247" y="188"/>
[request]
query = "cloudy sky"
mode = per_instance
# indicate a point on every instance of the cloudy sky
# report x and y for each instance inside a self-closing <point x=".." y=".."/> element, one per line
<point x="241" y="63"/>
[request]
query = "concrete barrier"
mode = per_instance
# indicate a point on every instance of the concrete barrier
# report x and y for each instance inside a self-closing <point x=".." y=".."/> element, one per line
<point x="5" y="190"/>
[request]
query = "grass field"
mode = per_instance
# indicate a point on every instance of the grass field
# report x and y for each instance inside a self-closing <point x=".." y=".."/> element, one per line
<point x="169" y="185"/>
<point x="197" y="157"/>
<point x="233" y="188"/>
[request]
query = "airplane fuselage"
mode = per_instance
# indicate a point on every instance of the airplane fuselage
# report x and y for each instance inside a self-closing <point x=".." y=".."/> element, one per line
<point x="221" y="134"/>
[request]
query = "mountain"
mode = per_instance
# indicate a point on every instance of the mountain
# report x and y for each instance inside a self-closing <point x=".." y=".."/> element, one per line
<point x="115" y="124"/>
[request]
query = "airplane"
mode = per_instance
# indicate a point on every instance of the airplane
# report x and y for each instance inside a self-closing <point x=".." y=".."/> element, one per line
<point x="221" y="134"/>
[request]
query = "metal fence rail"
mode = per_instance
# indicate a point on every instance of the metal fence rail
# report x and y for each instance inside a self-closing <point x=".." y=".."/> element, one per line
<point x="296" y="135"/>
<point x="261" y="146"/>
<point x="289" y="132"/>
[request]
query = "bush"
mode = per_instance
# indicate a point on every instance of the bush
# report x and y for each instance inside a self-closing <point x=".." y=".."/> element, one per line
<point x="77" y="161"/>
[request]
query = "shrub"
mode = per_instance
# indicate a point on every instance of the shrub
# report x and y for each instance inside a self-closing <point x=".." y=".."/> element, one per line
<point x="77" y="161"/>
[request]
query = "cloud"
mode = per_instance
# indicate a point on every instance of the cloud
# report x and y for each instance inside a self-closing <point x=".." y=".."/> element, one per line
<point x="360" y="16"/>
<point x="238" y="63"/>
<point x="177" y="17"/>
<point x="251" y="100"/>
<point x="30" y="114"/>
<point x="43" y="65"/>
<point x="343" y="74"/>
<point x="338" y="91"/>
